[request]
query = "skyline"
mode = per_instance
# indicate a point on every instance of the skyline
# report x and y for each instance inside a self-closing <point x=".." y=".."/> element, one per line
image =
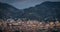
<point x="22" y="4"/>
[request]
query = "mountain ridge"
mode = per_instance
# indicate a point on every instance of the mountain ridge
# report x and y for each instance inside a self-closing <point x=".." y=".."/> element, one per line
<point x="8" y="11"/>
<point x="44" y="11"/>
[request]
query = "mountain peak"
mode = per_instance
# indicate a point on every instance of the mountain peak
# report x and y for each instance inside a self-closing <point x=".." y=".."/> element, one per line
<point x="46" y="10"/>
<point x="49" y="3"/>
<point x="8" y="11"/>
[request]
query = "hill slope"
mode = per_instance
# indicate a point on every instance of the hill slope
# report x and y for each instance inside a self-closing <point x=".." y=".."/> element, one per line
<point x="45" y="11"/>
<point x="8" y="11"/>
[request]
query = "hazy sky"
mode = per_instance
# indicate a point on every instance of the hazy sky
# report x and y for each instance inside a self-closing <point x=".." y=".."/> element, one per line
<point x="21" y="4"/>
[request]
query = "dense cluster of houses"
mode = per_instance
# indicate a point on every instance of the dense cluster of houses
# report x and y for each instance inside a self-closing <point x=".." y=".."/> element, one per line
<point x="29" y="26"/>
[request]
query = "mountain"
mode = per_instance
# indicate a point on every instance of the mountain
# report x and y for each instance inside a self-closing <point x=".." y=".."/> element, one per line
<point x="8" y="11"/>
<point x="44" y="11"/>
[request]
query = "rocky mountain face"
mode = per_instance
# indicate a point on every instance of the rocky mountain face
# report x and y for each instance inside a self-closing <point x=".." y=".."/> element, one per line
<point x="44" y="11"/>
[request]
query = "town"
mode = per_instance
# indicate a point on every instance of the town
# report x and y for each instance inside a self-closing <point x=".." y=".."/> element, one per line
<point x="29" y="26"/>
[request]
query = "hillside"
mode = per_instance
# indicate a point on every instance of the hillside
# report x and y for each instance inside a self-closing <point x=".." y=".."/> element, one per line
<point x="44" y="11"/>
<point x="8" y="11"/>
